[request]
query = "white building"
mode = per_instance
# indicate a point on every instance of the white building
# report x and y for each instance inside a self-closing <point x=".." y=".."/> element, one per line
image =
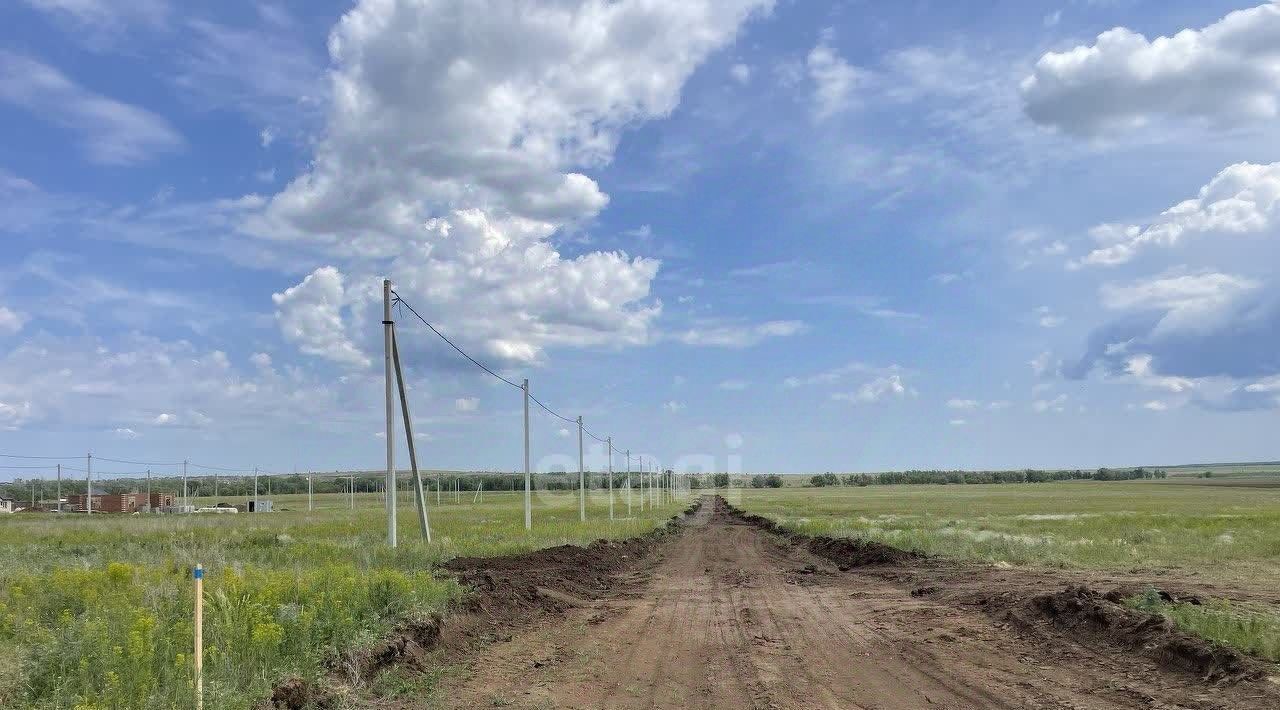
<point x="6" y="505"/>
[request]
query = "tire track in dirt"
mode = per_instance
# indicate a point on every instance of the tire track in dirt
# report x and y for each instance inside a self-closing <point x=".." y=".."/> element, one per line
<point x="729" y="615"/>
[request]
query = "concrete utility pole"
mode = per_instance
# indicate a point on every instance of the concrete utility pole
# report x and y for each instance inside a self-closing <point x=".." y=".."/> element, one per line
<point x="149" y="510"/>
<point x="582" y="478"/>
<point x="419" y="498"/>
<point x="628" y="483"/>
<point x="528" y="477"/>
<point x="654" y="483"/>
<point x="387" y="335"/>
<point x="353" y="492"/>
<point x="640" y="470"/>
<point x="609" y="444"/>
<point x="255" y="490"/>
<point x="59" y="491"/>
<point x="88" y="484"/>
<point x="186" y="499"/>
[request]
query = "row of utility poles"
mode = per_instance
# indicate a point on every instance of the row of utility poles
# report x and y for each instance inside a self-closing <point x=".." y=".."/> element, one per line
<point x="653" y="483"/>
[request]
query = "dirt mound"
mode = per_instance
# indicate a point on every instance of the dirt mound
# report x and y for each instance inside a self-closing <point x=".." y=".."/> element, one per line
<point x="846" y="552"/>
<point x="1095" y="617"/>
<point x="506" y="591"/>
<point x="849" y="553"/>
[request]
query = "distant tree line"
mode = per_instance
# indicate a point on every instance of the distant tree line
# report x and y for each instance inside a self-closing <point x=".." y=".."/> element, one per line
<point x="241" y="485"/>
<point x="1029" y="475"/>
<point x="715" y="480"/>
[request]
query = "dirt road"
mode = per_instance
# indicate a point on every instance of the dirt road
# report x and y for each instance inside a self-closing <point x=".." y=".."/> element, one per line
<point x="726" y="615"/>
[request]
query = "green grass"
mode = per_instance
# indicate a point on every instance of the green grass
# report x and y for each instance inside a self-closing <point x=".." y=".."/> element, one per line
<point x="1251" y="628"/>
<point x="1226" y="532"/>
<point x="96" y="612"/>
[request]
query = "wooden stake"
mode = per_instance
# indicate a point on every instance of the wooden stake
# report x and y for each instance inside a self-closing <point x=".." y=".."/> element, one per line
<point x="199" y="639"/>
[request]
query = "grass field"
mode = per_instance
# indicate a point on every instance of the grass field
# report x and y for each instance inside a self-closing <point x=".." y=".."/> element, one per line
<point x="95" y="612"/>
<point x="1221" y="530"/>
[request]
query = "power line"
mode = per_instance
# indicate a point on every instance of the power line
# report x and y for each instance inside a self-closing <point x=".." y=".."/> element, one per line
<point x="139" y="463"/>
<point x="400" y="301"/>
<point x="45" y="458"/>
<point x="552" y="412"/>
<point x="193" y="464"/>
<point x="593" y="436"/>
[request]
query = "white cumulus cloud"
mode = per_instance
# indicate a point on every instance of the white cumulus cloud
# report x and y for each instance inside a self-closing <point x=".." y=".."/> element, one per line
<point x="1227" y="73"/>
<point x="1188" y="302"/>
<point x="310" y="316"/>
<point x="463" y="205"/>
<point x="1242" y="199"/>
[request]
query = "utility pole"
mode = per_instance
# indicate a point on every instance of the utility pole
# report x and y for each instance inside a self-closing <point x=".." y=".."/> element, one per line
<point x="528" y="478"/>
<point x="310" y="475"/>
<point x="640" y="469"/>
<point x="255" y="490"/>
<point x="609" y="444"/>
<point x="582" y="478"/>
<point x="149" y="508"/>
<point x="387" y="335"/>
<point x="59" y="491"/>
<point x="419" y="498"/>
<point x="88" y="484"/>
<point x="628" y="483"/>
<point x="353" y="491"/>
<point x="186" y="499"/>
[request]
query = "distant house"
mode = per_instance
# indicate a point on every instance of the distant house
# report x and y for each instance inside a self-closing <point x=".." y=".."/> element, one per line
<point x="6" y="505"/>
<point x="110" y="502"/>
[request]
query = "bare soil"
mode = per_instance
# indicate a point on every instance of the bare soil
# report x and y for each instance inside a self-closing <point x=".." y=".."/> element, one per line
<point x="722" y="610"/>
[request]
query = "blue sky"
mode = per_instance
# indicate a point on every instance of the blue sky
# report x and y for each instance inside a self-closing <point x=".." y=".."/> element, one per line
<point x="769" y="236"/>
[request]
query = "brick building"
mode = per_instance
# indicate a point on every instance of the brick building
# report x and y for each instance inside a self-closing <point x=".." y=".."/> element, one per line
<point x="121" y="502"/>
<point x="161" y="500"/>
<point x="108" y="502"/>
